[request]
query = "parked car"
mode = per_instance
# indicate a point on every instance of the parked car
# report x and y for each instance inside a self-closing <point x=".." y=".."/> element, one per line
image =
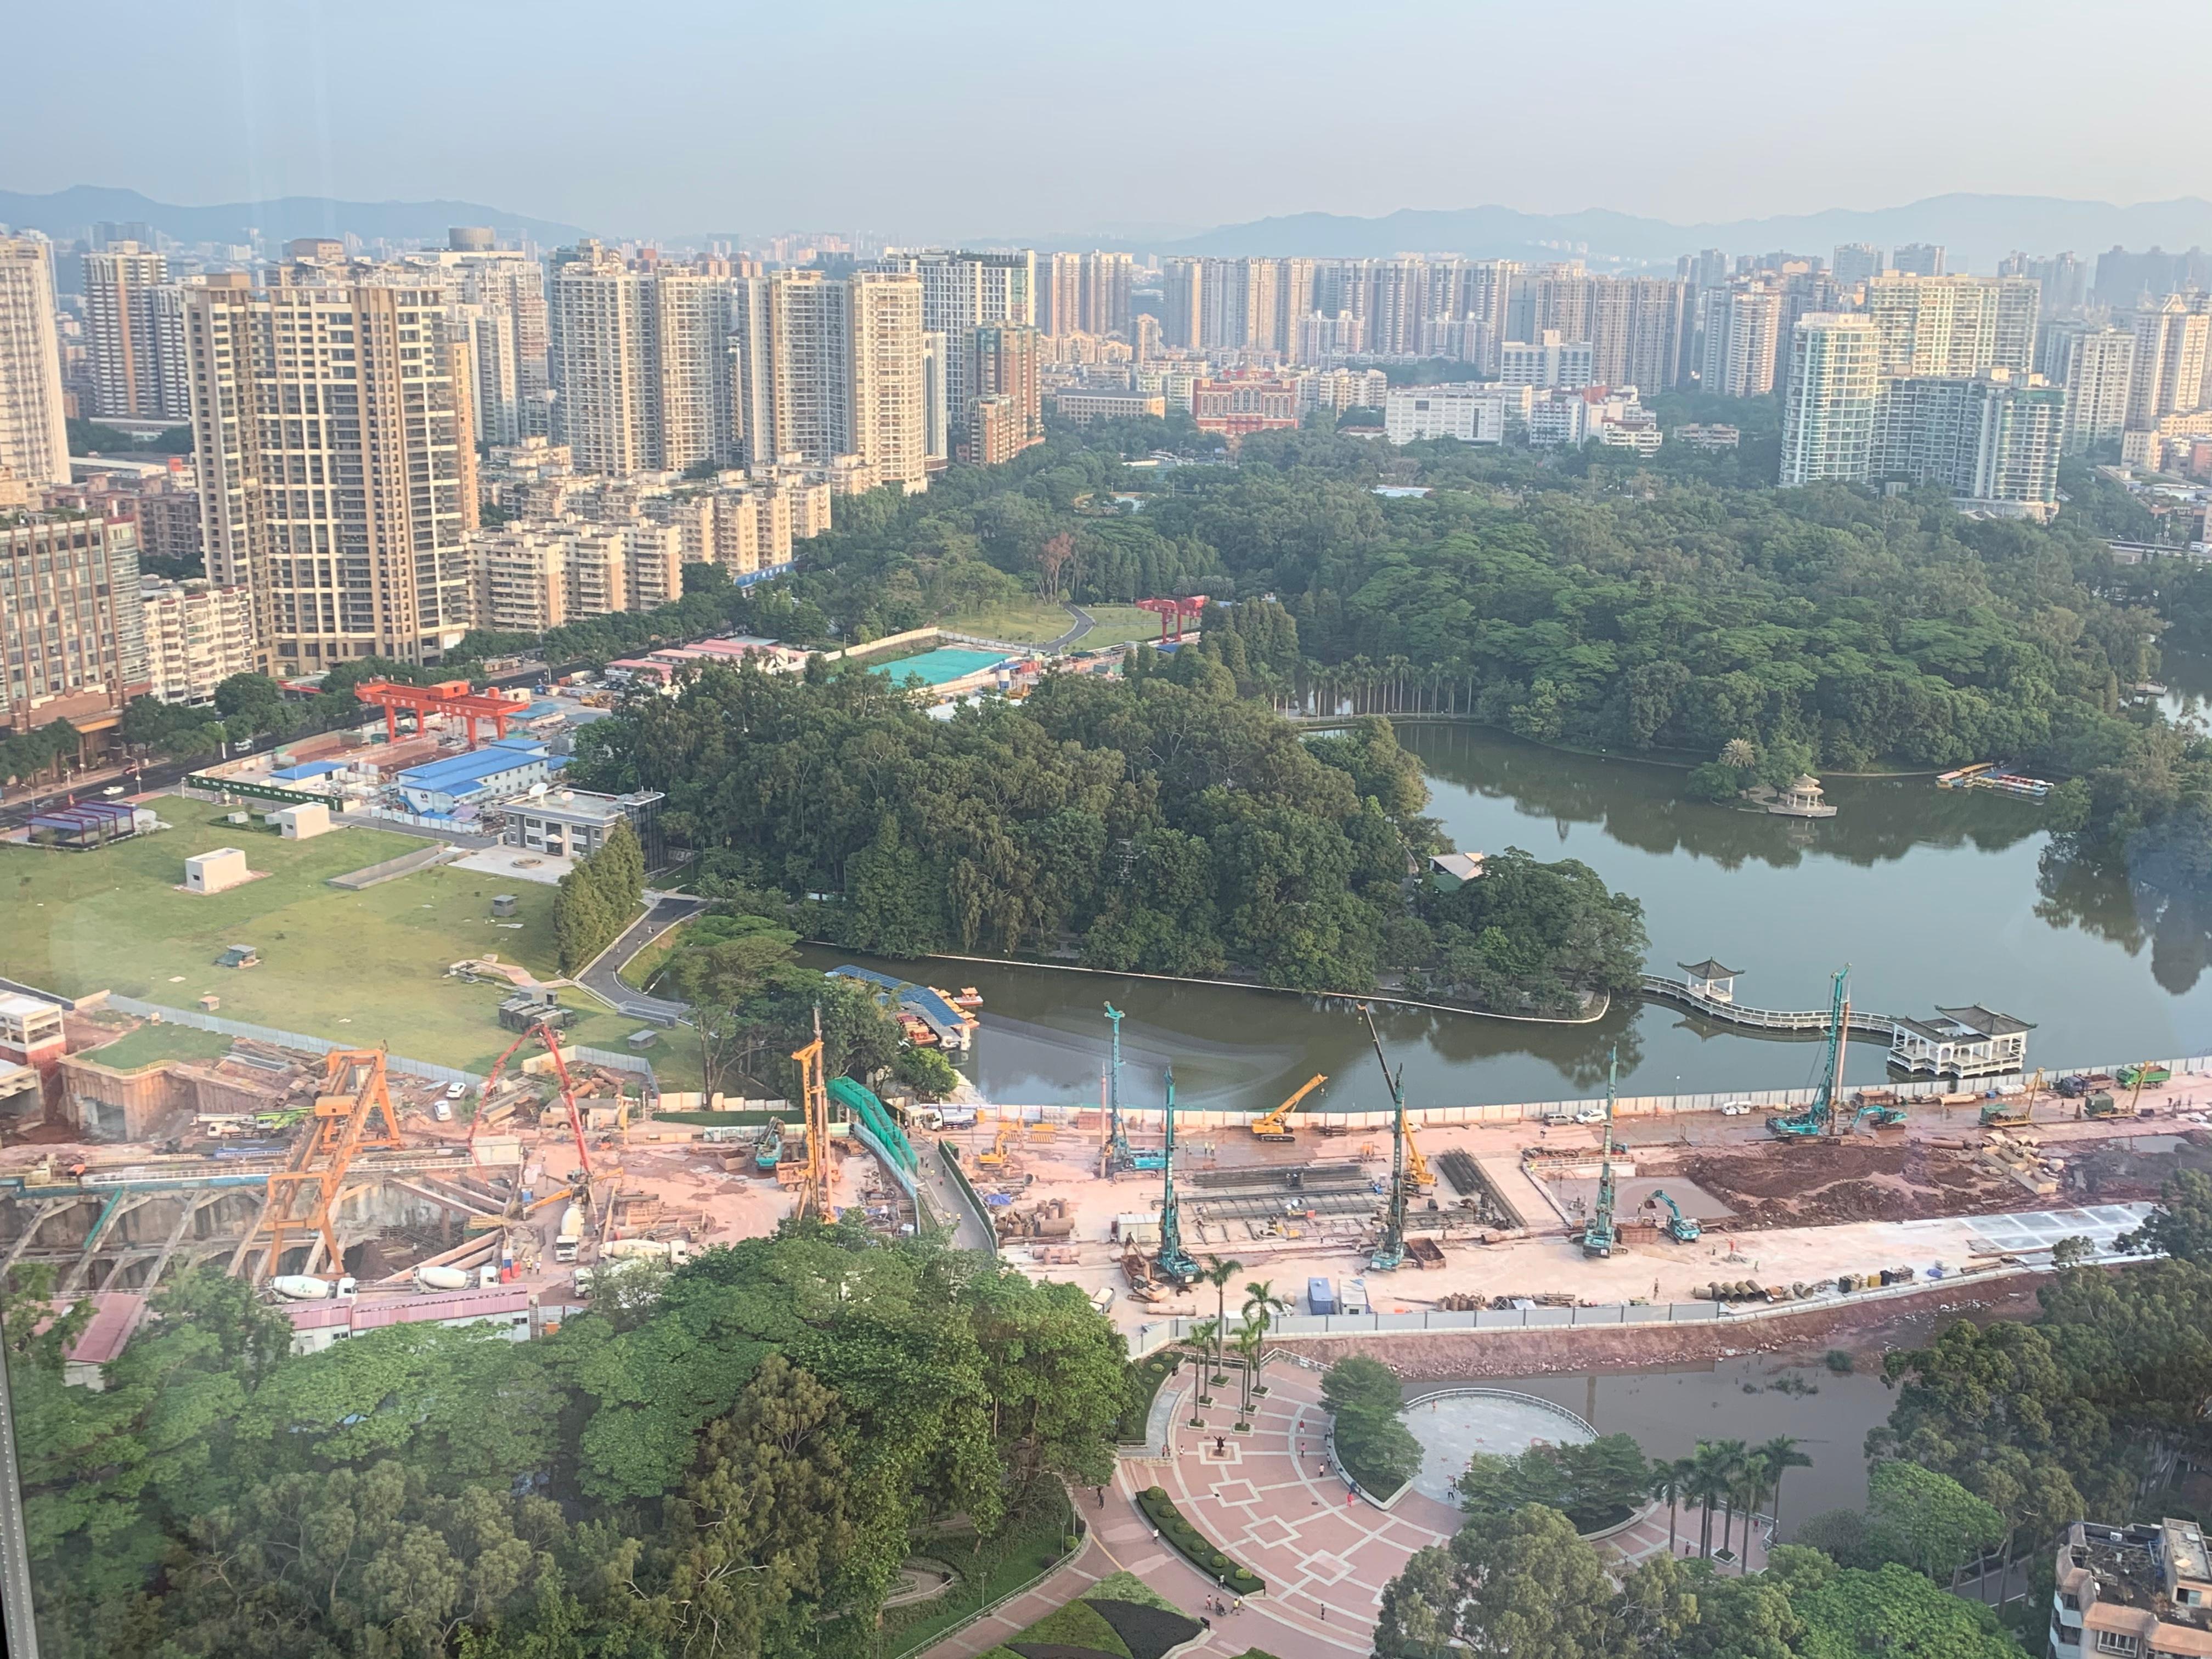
<point x="455" y="1090"/>
<point x="1591" y="1115"/>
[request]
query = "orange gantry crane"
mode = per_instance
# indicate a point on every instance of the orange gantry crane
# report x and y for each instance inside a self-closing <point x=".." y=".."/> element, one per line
<point x="446" y="697"/>
<point x="352" y="1111"/>
<point x="814" y="1186"/>
<point x="546" y="1035"/>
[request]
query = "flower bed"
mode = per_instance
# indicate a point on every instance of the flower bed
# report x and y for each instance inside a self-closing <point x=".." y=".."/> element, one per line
<point x="1195" y="1546"/>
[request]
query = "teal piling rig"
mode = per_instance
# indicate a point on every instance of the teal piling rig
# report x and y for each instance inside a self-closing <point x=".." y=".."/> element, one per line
<point x="1598" y="1234"/>
<point x="1120" y="1155"/>
<point x="1175" y="1264"/>
<point x="1390" y="1253"/>
<point x="1815" y="1119"/>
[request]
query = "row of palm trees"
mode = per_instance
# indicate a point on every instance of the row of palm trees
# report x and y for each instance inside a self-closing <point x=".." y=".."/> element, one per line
<point x="1261" y="1304"/>
<point x="1729" y="1475"/>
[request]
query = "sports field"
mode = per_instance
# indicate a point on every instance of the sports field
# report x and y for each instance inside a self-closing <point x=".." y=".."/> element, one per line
<point x="366" y="967"/>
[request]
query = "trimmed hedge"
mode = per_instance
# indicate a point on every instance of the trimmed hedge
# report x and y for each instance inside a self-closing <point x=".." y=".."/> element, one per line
<point x="1195" y="1546"/>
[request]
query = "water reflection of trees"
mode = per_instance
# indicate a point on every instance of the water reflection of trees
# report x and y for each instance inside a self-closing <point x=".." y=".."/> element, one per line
<point x="2170" y="909"/>
<point x="1636" y="804"/>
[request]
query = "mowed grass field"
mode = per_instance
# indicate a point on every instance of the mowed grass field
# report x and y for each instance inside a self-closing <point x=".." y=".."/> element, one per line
<point x="1034" y="622"/>
<point x="366" y="967"/>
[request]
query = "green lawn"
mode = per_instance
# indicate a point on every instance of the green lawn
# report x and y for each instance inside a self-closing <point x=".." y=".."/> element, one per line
<point x="1119" y="624"/>
<point x="366" y="967"/>
<point x="1032" y="622"/>
<point x="150" y="1044"/>
<point x="1026" y="622"/>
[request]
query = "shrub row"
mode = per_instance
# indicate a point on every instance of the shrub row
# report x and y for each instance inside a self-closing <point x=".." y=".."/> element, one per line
<point x="1202" y="1553"/>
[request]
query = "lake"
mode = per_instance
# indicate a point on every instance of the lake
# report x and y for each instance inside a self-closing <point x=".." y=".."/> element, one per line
<point x="1931" y="896"/>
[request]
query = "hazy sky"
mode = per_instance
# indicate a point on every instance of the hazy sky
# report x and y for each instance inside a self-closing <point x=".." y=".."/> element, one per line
<point x="973" y="117"/>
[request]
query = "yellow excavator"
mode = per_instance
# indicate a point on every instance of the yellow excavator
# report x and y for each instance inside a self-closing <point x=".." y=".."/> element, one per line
<point x="996" y="1158"/>
<point x="1276" y="1125"/>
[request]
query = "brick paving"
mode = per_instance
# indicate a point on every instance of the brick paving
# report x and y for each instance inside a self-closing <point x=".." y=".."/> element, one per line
<point x="1267" y="1499"/>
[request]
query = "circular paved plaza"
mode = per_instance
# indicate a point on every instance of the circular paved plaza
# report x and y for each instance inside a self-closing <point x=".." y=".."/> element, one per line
<point x="1459" y="1423"/>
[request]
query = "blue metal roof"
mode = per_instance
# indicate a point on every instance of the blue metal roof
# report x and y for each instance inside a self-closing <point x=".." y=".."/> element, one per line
<point x="307" y="769"/>
<point x="472" y="766"/>
<point x="932" y="1006"/>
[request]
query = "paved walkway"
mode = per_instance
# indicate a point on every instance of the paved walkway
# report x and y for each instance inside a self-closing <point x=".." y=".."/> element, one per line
<point x="1267" y="1499"/>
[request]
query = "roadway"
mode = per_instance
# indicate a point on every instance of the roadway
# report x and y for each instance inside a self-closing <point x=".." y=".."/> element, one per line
<point x="667" y="910"/>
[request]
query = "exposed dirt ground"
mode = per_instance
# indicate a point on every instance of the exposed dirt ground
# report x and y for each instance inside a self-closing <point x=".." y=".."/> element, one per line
<point x="1866" y="1330"/>
<point x="1847" y="1180"/>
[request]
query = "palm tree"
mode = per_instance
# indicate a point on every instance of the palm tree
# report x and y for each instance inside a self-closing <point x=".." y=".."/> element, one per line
<point x="1780" y="1454"/>
<point x="1669" y="1483"/>
<point x="1203" y="1336"/>
<point x="1707" y="1479"/>
<point x="1728" y="1457"/>
<point x="1261" y="1304"/>
<point x="1752" y="1476"/>
<point x="1251" y="1337"/>
<point x="1218" y="1273"/>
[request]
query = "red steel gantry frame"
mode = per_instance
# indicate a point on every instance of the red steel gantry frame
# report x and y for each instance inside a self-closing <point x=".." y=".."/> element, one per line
<point x="355" y="1094"/>
<point x="1175" y="612"/>
<point x="446" y="697"/>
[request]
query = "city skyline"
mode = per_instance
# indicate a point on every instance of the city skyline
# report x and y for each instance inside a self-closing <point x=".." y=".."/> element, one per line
<point x="309" y="107"/>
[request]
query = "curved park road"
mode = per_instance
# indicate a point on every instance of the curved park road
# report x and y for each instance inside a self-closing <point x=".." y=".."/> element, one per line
<point x="667" y="910"/>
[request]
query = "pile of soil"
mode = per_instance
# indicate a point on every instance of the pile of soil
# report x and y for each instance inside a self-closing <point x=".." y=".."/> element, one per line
<point x="1824" y="1182"/>
<point x="2116" y="1172"/>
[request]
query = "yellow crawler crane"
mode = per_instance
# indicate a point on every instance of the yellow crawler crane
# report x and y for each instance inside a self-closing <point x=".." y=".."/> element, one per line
<point x="1276" y="1125"/>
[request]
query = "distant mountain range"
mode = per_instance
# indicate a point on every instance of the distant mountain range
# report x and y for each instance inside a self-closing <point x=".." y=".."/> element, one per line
<point x="1977" y="230"/>
<point x="73" y="211"/>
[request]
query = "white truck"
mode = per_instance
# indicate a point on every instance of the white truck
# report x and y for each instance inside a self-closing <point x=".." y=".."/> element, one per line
<point x="571" y="1234"/>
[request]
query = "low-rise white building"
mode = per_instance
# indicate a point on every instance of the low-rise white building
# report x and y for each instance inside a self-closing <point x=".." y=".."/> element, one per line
<point x="1471" y="411"/>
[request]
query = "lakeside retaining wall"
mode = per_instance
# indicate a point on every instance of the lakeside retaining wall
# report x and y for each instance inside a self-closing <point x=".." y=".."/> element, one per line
<point x="1188" y="1118"/>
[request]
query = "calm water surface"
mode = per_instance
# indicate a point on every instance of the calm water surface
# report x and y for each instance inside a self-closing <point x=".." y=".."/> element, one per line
<point x="1931" y="896"/>
<point x="1668" y="1411"/>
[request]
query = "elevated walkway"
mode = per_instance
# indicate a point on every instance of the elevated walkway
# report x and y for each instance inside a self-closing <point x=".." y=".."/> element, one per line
<point x="1680" y="994"/>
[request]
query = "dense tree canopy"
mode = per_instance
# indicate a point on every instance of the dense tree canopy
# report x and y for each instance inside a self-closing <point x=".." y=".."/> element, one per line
<point x="751" y="1450"/>
<point x="1159" y="823"/>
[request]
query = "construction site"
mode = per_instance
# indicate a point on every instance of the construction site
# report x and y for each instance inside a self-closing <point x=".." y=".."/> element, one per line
<point x="1692" y="1200"/>
<point x="358" y="1192"/>
<point x="359" y="1189"/>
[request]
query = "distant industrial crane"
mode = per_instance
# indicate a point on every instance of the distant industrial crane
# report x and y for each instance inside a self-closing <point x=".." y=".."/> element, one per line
<point x="814" y="1185"/>
<point x="1819" y="1117"/>
<point x="1599" y="1235"/>
<point x="354" y="1100"/>
<point x="1276" y="1125"/>
<point x="1175" y="1264"/>
<point x="1390" y="1253"/>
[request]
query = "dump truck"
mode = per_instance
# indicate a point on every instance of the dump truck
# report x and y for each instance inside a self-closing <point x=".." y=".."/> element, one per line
<point x="571" y="1234"/>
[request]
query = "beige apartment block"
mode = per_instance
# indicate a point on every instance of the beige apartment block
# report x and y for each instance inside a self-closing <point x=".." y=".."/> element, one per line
<point x="34" y="432"/>
<point x="333" y="424"/>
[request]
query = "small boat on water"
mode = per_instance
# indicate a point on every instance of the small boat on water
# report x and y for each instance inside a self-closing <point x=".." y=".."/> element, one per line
<point x="969" y="998"/>
<point x="768" y="1151"/>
